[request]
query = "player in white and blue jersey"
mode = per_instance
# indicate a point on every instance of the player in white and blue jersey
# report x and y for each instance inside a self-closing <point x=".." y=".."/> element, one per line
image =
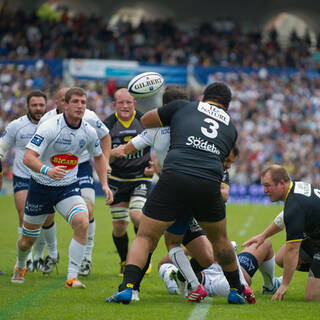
<point x="16" y="135"/>
<point x="53" y="154"/>
<point x="86" y="182"/>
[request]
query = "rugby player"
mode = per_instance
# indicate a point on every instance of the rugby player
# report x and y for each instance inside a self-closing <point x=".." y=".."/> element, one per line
<point x="130" y="180"/>
<point x="17" y="134"/>
<point x="202" y="135"/>
<point x="301" y="218"/>
<point x="86" y="183"/>
<point x="52" y="154"/>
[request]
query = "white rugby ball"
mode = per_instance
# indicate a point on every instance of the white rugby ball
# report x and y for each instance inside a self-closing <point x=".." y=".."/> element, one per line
<point x="145" y="84"/>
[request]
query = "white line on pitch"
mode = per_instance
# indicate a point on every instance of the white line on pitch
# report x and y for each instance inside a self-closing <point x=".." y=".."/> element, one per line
<point x="201" y="309"/>
<point x="246" y="226"/>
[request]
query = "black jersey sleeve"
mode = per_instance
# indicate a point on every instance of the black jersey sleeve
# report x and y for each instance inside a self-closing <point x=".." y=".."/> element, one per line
<point x="294" y="220"/>
<point x="166" y="112"/>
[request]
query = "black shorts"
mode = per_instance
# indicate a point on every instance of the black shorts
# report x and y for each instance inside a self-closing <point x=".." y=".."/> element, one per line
<point x="194" y="231"/>
<point x="305" y="255"/>
<point x="180" y="195"/>
<point x="124" y="190"/>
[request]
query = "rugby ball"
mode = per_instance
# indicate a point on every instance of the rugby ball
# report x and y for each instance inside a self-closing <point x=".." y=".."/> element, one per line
<point x="145" y="84"/>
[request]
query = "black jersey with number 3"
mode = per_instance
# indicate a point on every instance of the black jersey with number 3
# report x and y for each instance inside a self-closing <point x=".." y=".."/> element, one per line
<point x="302" y="212"/>
<point x="202" y="135"/>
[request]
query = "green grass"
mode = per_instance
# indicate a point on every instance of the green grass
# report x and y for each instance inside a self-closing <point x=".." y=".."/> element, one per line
<point x="44" y="297"/>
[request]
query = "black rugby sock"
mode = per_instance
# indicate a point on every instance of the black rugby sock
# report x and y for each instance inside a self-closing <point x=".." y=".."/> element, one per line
<point x="234" y="280"/>
<point x="143" y="272"/>
<point x="121" y="244"/>
<point x="130" y="277"/>
<point x="196" y="266"/>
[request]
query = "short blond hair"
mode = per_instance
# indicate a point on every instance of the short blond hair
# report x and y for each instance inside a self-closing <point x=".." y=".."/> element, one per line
<point x="277" y="173"/>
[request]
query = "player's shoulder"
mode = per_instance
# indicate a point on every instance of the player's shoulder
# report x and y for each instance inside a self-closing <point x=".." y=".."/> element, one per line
<point x="48" y="115"/>
<point x="110" y="121"/>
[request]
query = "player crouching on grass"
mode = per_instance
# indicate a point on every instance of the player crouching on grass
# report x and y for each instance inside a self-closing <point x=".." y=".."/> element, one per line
<point x="52" y="154"/>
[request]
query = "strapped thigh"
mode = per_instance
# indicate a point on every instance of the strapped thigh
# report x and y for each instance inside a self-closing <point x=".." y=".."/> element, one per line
<point x="120" y="214"/>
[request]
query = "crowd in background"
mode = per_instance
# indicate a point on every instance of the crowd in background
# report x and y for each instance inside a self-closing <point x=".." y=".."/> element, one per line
<point x="277" y="117"/>
<point x="26" y="35"/>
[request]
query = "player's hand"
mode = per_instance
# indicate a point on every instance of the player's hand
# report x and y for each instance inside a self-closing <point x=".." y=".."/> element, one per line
<point x="280" y="293"/>
<point x="257" y="240"/>
<point x="149" y="171"/>
<point x="109" y="169"/>
<point x="57" y="173"/>
<point x="118" y="152"/>
<point x="108" y="193"/>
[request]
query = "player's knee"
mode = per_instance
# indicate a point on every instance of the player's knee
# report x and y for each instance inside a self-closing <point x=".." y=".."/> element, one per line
<point x="312" y="296"/>
<point x="81" y="223"/>
<point x="225" y="257"/>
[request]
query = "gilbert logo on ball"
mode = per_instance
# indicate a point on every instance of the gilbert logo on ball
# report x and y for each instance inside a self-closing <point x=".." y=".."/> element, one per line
<point x="145" y="84"/>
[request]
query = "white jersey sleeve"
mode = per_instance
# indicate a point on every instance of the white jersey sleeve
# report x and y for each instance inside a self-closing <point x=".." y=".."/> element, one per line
<point x="17" y="134"/>
<point x="158" y="138"/>
<point x="100" y="128"/>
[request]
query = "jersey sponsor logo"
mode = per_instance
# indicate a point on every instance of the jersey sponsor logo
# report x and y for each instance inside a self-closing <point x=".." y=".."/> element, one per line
<point x="63" y="140"/>
<point x="82" y="143"/>
<point x="303" y="188"/>
<point x="214" y="112"/>
<point x="68" y="160"/>
<point x="37" y="140"/>
<point x="26" y="136"/>
<point x="201" y="144"/>
<point x="128" y="132"/>
<point x="165" y="131"/>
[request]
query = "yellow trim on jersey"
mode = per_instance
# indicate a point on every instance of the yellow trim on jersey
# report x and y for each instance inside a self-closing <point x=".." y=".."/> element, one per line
<point x="290" y="187"/>
<point x="225" y="184"/>
<point x="127" y="123"/>
<point x="161" y="124"/>
<point x="133" y="179"/>
<point x="214" y="103"/>
<point x="297" y="240"/>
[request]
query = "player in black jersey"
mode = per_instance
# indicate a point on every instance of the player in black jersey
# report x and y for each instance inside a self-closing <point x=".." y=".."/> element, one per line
<point x="128" y="180"/>
<point x="202" y="135"/>
<point x="301" y="217"/>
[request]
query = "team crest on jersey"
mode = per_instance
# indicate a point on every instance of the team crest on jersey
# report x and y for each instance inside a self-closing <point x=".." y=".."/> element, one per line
<point x="82" y="143"/>
<point x="127" y="138"/>
<point x="37" y="140"/>
<point x="69" y="160"/>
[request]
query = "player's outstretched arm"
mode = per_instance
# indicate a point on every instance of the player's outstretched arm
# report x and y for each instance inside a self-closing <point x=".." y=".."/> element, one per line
<point x="259" y="239"/>
<point x="151" y="119"/>
<point x="291" y="257"/>
<point x="32" y="161"/>
<point x="100" y="166"/>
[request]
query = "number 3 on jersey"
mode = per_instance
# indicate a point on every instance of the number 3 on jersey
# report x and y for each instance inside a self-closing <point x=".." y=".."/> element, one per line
<point x="212" y="131"/>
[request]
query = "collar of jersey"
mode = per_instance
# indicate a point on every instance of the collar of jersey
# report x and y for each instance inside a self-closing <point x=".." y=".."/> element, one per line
<point x="127" y="123"/>
<point x="215" y="103"/>
<point x="290" y="187"/>
<point x="69" y="125"/>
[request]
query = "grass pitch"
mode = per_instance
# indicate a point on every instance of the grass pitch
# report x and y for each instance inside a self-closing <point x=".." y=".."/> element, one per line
<point x="44" y="297"/>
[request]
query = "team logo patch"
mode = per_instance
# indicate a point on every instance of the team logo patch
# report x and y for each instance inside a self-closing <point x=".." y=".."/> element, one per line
<point x="37" y="140"/>
<point x="82" y="143"/>
<point x="127" y="138"/>
<point x="68" y="160"/>
<point x="99" y="124"/>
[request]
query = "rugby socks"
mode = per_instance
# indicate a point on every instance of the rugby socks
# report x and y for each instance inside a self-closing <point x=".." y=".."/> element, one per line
<point x="76" y="251"/>
<point x="130" y="277"/>
<point x="39" y="246"/>
<point x="51" y="240"/>
<point x="22" y="257"/>
<point x="267" y="270"/>
<point x="234" y="280"/>
<point x="196" y="266"/>
<point x="91" y="234"/>
<point x="121" y="244"/>
<point x="142" y="273"/>
<point x="181" y="261"/>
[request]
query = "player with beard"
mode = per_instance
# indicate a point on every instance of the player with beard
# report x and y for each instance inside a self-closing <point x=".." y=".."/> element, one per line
<point x="17" y="134"/>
